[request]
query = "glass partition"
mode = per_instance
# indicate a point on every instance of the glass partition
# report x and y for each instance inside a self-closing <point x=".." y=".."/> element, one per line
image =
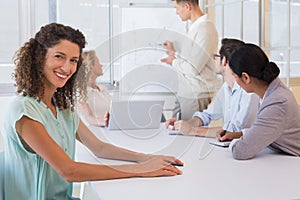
<point x="9" y="42"/>
<point x="272" y="23"/>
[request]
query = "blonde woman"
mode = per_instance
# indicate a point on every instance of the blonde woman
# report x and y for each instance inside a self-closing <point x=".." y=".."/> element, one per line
<point x="94" y="111"/>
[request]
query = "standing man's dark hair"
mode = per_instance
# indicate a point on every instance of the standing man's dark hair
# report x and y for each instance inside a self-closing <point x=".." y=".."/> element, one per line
<point x="193" y="2"/>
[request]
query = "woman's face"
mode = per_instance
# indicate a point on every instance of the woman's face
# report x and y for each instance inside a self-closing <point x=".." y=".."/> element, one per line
<point x="97" y="68"/>
<point x="238" y="80"/>
<point x="61" y="64"/>
<point x="242" y="82"/>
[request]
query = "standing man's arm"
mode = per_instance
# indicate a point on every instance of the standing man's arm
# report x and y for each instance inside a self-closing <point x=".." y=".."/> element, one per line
<point x="170" y="50"/>
<point x="197" y="50"/>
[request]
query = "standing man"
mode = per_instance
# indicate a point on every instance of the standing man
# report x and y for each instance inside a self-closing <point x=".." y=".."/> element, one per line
<point x="193" y="62"/>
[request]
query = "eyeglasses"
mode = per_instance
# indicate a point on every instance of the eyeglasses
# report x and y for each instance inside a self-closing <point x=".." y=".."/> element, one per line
<point x="217" y="56"/>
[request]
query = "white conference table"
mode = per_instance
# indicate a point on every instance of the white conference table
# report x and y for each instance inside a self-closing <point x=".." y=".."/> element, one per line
<point x="209" y="172"/>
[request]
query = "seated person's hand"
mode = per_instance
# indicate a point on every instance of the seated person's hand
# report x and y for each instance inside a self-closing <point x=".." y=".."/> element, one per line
<point x="158" y="166"/>
<point x="106" y="118"/>
<point x="228" y="136"/>
<point x="183" y="127"/>
<point x="170" y="123"/>
<point x="169" y="159"/>
<point x="103" y="121"/>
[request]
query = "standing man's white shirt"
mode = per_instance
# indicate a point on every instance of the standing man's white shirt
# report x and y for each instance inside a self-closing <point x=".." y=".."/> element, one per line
<point x="197" y="76"/>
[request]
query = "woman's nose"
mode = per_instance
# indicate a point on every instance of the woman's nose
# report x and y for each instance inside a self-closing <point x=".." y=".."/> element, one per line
<point x="65" y="67"/>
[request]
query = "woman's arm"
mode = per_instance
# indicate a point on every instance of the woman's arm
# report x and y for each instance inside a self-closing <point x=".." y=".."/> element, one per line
<point x="194" y="127"/>
<point x="109" y="151"/>
<point x="35" y="135"/>
<point x="187" y="129"/>
<point x="86" y="112"/>
<point x="106" y="150"/>
<point x="266" y="129"/>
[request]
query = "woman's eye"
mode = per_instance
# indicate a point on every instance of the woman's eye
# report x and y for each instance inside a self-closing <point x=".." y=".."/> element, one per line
<point x="58" y="56"/>
<point x="74" y="60"/>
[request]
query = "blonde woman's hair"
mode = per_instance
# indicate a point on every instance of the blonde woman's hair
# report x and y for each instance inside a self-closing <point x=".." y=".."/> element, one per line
<point x="88" y="63"/>
<point x="84" y="77"/>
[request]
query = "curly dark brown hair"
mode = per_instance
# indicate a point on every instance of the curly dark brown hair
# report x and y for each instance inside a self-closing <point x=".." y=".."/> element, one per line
<point x="30" y="60"/>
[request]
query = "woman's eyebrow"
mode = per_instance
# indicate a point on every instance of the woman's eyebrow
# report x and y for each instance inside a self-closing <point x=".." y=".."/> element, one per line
<point x="77" y="57"/>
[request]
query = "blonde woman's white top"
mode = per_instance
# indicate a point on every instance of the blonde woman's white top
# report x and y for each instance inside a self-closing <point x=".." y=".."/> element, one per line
<point x="99" y="100"/>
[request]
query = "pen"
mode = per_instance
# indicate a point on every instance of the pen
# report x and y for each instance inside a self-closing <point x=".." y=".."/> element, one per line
<point x="176" y="164"/>
<point x="224" y="132"/>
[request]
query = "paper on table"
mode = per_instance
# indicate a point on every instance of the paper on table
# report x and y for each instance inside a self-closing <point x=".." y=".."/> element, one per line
<point x="220" y="144"/>
<point x="172" y="132"/>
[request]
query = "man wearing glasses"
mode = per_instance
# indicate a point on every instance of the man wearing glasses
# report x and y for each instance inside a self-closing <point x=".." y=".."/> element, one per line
<point x="237" y="107"/>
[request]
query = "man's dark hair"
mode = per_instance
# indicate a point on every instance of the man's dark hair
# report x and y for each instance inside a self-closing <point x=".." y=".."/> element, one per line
<point x="228" y="47"/>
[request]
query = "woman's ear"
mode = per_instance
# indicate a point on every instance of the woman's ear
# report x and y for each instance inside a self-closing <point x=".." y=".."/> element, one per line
<point x="246" y="78"/>
<point x="224" y="61"/>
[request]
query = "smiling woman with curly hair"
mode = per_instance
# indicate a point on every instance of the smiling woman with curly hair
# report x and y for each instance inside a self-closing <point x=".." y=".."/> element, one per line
<point x="41" y="126"/>
<point x="30" y="59"/>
